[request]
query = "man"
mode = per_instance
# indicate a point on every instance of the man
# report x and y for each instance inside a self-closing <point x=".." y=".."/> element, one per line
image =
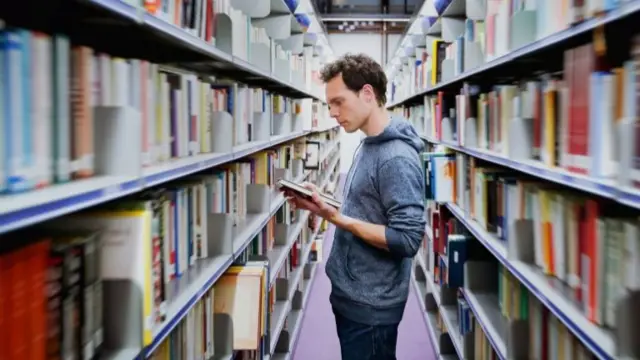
<point x="381" y="223"/>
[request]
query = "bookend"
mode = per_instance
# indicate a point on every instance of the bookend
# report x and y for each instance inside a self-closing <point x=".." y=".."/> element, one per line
<point x="282" y="233"/>
<point x="473" y="54"/>
<point x="222" y="336"/>
<point x="125" y="330"/>
<point x="277" y="25"/>
<point x="261" y="126"/>
<point x="626" y="136"/>
<point x="282" y="69"/>
<point x="118" y="141"/>
<point x="293" y="43"/>
<point x="221" y="142"/>
<point x="476" y="9"/>
<point x="297" y="298"/>
<point x="284" y="340"/>
<point x="283" y="174"/>
<point x="308" y="268"/>
<point x="627" y="331"/>
<point x="471" y="133"/>
<point x="251" y="8"/>
<point x="521" y="129"/>
<point x="448" y="70"/>
<point x="224" y="36"/>
<point x="297" y="168"/>
<point x="520" y="243"/>
<point x="447" y="130"/>
<point x="261" y="54"/>
<point x="515" y="332"/>
<point x="445" y="345"/>
<point x="281" y="124"/>
<point x="297" y="122"/>
<point x="452" y="28"/>
<point x="524" y="29"/>
<point x="258" y="198"/>
<point x="220" y="234"/>
<point x="282" y="289"/>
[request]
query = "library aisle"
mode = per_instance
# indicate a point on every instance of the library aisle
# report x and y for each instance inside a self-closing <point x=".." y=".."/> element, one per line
<point x="318" y="339"/>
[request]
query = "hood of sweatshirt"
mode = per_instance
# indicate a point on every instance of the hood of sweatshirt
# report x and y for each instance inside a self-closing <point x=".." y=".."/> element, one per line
<point x="398" y="129"/>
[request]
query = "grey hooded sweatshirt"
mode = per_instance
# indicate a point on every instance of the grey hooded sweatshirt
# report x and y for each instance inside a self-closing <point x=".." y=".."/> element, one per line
<point x="386" y="186"/>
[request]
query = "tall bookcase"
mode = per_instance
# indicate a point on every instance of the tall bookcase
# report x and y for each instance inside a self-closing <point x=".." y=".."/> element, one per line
<point x="528" y="109"/>
<point x="140" y="147"/>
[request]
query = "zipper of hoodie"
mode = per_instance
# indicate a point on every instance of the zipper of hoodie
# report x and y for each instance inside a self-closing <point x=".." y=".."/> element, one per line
<point x="352" y="169"/>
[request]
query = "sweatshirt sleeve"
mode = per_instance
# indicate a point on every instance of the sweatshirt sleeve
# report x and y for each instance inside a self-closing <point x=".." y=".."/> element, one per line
<point x="401" y="188"/>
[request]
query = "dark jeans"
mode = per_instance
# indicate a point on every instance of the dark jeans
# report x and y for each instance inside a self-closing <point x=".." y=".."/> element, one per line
<point x="366" y="342"/>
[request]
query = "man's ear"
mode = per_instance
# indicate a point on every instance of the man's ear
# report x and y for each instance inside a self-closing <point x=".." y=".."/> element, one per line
<point x="369" y="94"/>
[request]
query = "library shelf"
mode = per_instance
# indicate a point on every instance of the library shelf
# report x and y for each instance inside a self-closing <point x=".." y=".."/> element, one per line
<point x="427" y="288"/>
<point x="21" y="210"/>
<point x="285" y="308"/>
<point x="485" y="308"/>
<point x="557" y="40"/>
<point x="187" y="290"/>
<point x="297" y="317"/>
<point x="447" y="315"/>
<point x="601" y="187"/>
<point x="430" y="320"/>
<point x="546" y="57"/>
<point x="598" y="340"/>
<point x="217" y="58"/>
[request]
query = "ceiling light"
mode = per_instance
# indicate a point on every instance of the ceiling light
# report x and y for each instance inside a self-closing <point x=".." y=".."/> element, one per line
<point x="370" y="22"/>
<point x="340" y="27"/>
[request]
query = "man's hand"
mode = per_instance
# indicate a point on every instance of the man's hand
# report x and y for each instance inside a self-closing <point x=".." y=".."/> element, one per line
<point x="314" y="205"/>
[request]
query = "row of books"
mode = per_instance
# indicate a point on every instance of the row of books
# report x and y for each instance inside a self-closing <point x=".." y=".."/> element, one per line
<point x="456" y="43"/>
<point x="272" y="303"/>
<point x="545" y="125"/>
<point x="589" y="246"/>
<point x="149" y="249"/>
<point x="495" y="316"/>
<point x="569" y="248"/>
<point x="78" y="105"/>
<point x="236" y="34"/>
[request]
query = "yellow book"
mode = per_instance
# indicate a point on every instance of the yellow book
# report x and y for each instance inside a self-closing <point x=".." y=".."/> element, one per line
<point x="240" y="293"/>
<point x="549" y="144"/>
<point x="435" y="61"/>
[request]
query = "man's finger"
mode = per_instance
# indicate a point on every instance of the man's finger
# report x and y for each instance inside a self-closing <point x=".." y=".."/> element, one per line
<point x="306" y="204"/>
<point x="308" y="185"/>
<point x="316" y="198"/>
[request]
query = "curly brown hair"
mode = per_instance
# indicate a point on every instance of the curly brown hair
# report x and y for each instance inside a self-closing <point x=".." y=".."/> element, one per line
<point x="357" y="70"/>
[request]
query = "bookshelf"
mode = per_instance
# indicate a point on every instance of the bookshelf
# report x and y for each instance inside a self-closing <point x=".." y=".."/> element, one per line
<point x="529" y="119"/>
<point x="140" y="145"/>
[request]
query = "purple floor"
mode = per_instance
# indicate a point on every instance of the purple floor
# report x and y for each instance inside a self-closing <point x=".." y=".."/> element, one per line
<point x="318" y="339"/>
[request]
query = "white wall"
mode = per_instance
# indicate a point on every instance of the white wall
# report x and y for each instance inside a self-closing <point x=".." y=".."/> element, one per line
<point x="369" y="44"/>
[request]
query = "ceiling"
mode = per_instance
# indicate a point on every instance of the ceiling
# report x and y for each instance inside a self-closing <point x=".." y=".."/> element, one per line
<point x="366" y="16"/>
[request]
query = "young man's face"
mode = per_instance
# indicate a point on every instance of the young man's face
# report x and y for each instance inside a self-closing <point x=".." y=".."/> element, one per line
<point x="351" y="109"/>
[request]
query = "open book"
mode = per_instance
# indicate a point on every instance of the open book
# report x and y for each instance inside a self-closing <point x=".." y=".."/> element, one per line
<point x="304" y="192"/>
